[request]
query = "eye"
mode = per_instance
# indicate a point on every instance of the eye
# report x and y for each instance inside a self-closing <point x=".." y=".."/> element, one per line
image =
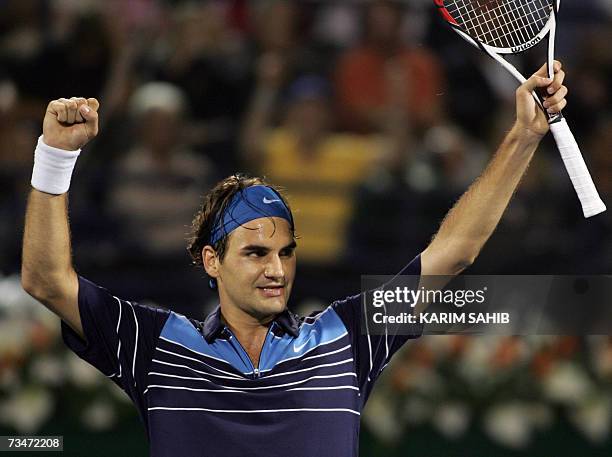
<point x="256" y="253"/>
<point x="287" y="252"/>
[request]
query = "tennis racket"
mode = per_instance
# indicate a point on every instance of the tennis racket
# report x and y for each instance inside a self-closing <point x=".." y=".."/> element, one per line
<point x="499" y="27"/>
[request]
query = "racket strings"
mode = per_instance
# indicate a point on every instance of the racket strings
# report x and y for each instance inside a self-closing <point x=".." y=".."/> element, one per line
<point x="501" y="23"/>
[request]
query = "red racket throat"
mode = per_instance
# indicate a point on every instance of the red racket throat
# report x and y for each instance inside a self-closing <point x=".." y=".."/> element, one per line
<point x="444" y="12"/>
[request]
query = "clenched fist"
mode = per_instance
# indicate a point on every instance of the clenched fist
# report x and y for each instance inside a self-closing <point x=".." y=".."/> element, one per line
<point x="70" y="123"/>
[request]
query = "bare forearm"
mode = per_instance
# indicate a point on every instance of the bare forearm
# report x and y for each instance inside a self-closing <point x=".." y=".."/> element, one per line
<point x="471" y="222"/>
<point x="270" y="69"/>
<point x="474" y="217"/>
<point x="46" y="258"/>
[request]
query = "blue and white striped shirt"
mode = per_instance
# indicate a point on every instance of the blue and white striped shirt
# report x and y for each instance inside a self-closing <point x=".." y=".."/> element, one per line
<point x="199" y="394"/>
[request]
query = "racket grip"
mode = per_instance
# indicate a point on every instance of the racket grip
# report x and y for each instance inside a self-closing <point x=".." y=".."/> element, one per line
<point x="577" y="169"/>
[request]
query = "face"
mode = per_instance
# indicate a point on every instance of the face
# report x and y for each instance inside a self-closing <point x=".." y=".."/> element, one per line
<point x="277" y="34"/>
<point x="160" y="129"/>
<point x="256" y="275"/>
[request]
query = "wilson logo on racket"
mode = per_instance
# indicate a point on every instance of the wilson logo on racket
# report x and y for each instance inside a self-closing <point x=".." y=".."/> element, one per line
<point x="526" y="46"/>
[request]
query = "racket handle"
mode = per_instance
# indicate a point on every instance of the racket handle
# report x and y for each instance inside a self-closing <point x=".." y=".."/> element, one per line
<point x="577" y="169"/>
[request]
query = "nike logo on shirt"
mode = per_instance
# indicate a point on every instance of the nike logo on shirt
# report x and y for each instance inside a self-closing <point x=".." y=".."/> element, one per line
<point x="301" y="346"/>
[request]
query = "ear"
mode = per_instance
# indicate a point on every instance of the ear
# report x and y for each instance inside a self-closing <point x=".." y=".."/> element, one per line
<point x="210" y="261"/>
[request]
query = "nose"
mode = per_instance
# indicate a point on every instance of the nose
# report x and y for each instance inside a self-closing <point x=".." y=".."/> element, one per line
<point x="274" y="269"/>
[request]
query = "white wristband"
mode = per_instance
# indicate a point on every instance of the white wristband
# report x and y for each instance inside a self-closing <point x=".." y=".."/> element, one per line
<point x="52" y="168"/>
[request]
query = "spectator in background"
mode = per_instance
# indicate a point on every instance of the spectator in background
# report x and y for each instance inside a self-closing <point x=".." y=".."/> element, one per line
<point x="425" y="179"/>
<point x="360" y="75"/>
<point x="17" y="135"/>
<point x="77" y="62"/>
<point x="279" y="28"/>
<point x="322" y="168"/>
<point x="154" y="192"/>
<point x="593" y="75"/>
<point x="158" y="180"/>
<point x="545" y="231"/>
<point x="199" y="53"/>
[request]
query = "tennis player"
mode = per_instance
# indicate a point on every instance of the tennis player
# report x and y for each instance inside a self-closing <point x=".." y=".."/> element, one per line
<point x="252" y="378"/>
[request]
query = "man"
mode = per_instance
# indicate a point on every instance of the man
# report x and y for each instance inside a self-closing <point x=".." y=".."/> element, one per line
<point x="361" y="74"/>
<point x="251" y="379"/>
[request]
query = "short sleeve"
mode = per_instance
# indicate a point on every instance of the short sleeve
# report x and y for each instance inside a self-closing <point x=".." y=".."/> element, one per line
<point x="121" y="337"/>
<point x="373" y="352"/>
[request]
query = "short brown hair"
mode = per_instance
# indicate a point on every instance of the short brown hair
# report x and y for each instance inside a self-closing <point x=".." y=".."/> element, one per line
<point x="214" y="204"/>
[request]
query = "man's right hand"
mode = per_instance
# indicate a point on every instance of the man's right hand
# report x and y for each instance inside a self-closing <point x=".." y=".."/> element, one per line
<point x="69" y="124"/>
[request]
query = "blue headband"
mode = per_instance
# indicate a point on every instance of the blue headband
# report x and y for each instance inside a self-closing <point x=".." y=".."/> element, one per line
<point x="251" y="203"/>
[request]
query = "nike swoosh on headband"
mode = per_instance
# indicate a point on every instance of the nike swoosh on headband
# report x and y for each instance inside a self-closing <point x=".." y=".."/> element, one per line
<point x="251" y="203"/>
<point x="268" y="201"/>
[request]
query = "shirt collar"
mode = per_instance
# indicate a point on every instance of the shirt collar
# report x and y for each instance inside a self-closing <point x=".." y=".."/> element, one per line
<point x="213" y="325"/>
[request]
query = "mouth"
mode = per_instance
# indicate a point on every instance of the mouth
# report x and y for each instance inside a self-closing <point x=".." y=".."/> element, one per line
<point x="272" y="291"/>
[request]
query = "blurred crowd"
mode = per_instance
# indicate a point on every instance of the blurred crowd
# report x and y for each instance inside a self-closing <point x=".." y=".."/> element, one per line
<point x="372" y="115"/>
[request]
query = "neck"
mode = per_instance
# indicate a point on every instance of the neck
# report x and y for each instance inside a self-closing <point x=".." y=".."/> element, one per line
<point x="250" y="332"/>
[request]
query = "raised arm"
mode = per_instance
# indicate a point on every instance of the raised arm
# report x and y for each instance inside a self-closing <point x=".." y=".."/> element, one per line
<point x="46" y="271"/>
<point x="258" y="119"/>
<point x="472" y="220"/>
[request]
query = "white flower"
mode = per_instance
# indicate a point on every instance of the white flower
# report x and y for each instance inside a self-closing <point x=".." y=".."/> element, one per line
<point x="100" y="415"/>
<point x="81" y="373"/>
<point x="475" y="364"/>
<point x="593" y="418"/>
<point x="48" y="369"/>
<point x="381" y="418"/>
<point x="14" y="299"/>
<point x="27" y="409"/>
<point x="509" y="424"/>
<point x="567" y="383"/>
<point x="452" y="419"/>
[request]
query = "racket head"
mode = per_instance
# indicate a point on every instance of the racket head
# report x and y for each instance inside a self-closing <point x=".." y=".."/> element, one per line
<point x="502" y="26"/>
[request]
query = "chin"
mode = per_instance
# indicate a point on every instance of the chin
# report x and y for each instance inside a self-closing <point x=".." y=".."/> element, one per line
<point x="272" y="306"/>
